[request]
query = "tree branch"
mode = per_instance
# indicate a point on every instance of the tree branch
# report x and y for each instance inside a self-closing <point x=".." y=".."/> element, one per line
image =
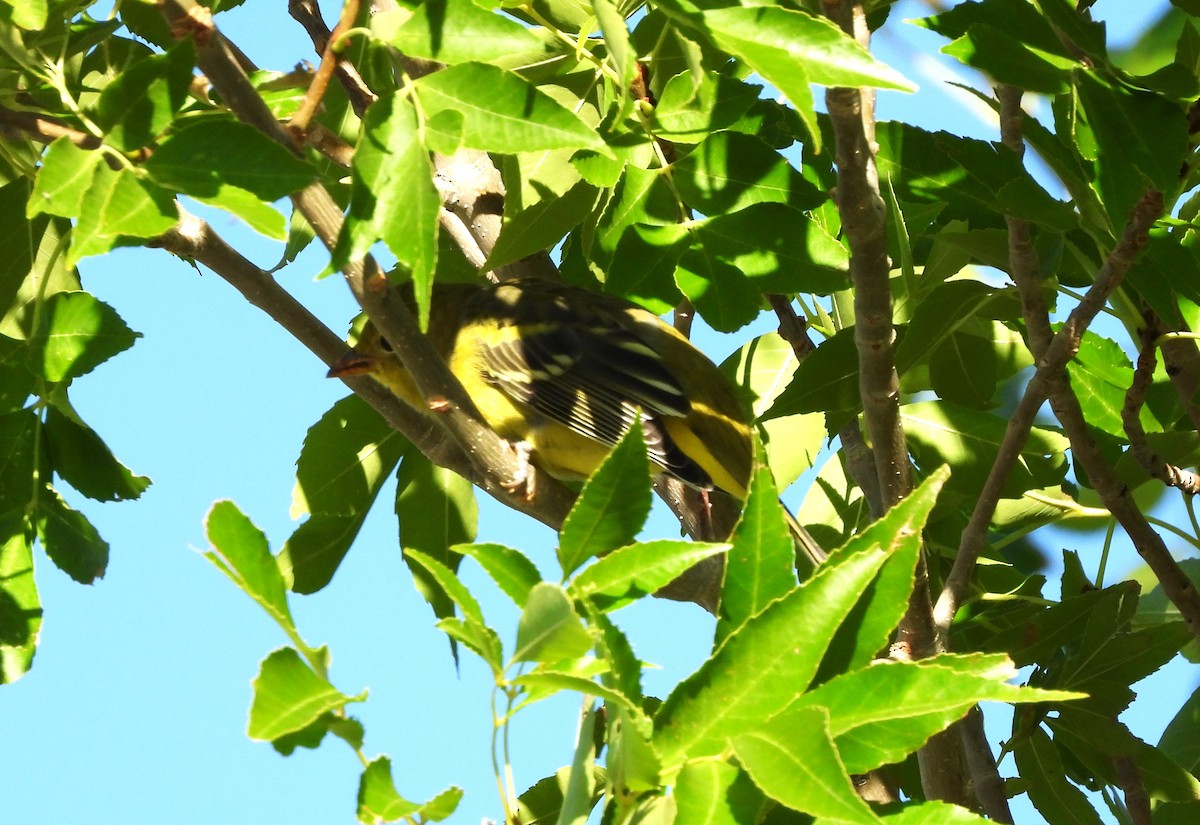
<point x="864" y="224"/>
<point x="1135" y="398"/>
<point x="43" y="128"/>
<point x="860" y="462"/>
<point x="306" y="13"/>
<point x="1181" y="357"/>
<point x="329" y="63"/>
<point x="492" y="457"/>
<point x="1049" y="381"/>
<point x="985" y="776"/>
<point x="1137" y="801"/>
<point x="194" y="239"/>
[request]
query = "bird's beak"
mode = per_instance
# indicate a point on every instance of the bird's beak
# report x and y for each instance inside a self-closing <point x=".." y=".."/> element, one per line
<point x="352" y="363"/>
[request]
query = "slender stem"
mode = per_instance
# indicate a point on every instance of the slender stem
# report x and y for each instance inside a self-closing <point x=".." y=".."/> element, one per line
<point x="320" y="82"/>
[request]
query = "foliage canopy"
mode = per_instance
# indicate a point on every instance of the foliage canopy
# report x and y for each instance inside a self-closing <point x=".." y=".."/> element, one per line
<point x="937" y="378"/>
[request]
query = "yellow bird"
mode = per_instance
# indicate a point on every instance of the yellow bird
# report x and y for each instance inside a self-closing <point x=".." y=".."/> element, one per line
<point x="565" y="371"/>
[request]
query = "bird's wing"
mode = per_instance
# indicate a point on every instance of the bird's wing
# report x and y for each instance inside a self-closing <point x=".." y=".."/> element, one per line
<point x="588" y="369"/>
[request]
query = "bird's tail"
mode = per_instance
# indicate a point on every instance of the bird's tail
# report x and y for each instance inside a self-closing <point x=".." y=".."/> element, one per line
<point x="805" y="543"/>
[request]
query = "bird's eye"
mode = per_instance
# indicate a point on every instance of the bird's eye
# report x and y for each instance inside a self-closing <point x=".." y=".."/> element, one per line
<point x="385" y="344"/>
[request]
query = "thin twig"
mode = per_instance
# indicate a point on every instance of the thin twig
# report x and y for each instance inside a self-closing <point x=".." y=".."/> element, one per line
<point x="860" y="461"/>
<point x="1061" y="348"/>
<point x="1137" y="801"/>
<point x="43" y="128"/>
<point x="1181" y="358"/>
<point x="1135" y="398"/>
<point x="985" y="777"/>
<point x="320" y="82"/>
<point x="306" y="13"/>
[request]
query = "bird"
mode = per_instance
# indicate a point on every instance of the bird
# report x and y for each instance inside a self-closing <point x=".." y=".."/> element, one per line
<point x="564" y="372"/>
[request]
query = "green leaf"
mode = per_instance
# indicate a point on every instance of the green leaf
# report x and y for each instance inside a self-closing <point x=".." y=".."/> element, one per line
<point x="934" y="813"/>
<point x="1126" y="657"/>
<point x="760" y="669"/>
<point x="62" y="181"/>
<point x="826" y="381"/>
<point x="631" y="573"/>
<point x="624" y="672"/>
<point x="261" y="217"/>
<point x="70" y="540"/>
<point x="209" y="152"/>
<point x="313" y="552"/>
<point x="975" y="179"/>
<point x="691" y="108"/>
<point x="344" y="460"/>
<point x="437" y="509"/>
<point x="632" y="765"/>
<point x="940" y="432"/>
<point x="643" y="264"/>
<point x="940" y="313"/>
<point x="1046" y="783"/>
<point x="869" y="627"/>
<point x="120" y="209"/>
<point x="881" y="713"/>
<point x="550" y="629"/>
<point x="543" y="801"/>
<point x="240" y="551"/>
<point x="616" y="39"/>
<point x="541" y="225"/>
<point x="640" y="196"/>
<point x="443" y="805"/>
<point x="761" y="564"/>
<point x="777" y="40"/>
<point x="964" y="370"/>
<point x="379" y="801"/>
<point x="1009" y="59"/>
<point x="579" y="793"/>
<point x="502" y="112"/>
<point x="714" y="792"/>
<point x="77" y="333"/>
<point x="450" y="584"/>
<point x="792" y="49"/>
<point x="288" y="696"/>
<point x="723" y="296"/>
<point x="84" y="461"/>
<point x="762" y="368"/>
<point x="1142" y="139"/>
<point x="1181" y="738"/>
<point x="30" y="15"/>
<point x="392" y="196"/>
<point x="795" y="762"/>
<point x="454" y="31"/>
<point x="779" y="248"/>
<point x="730" y="171"/>
<point x="1015" y="17"/>
<point x="510" y="569"/>
<point x="550" y="681"/>
<point x="144" y="98"/>
<point x="612" y="506"/>
<point x="1096" y="740"/>
<point x="482" y="640"/>
<point x="23" y="462"/>
<point x="435" y="579"/>
<point x="20" y="605"/>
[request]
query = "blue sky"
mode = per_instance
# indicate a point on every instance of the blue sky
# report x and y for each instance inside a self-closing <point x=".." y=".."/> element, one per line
<point x="135" y="710"/>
